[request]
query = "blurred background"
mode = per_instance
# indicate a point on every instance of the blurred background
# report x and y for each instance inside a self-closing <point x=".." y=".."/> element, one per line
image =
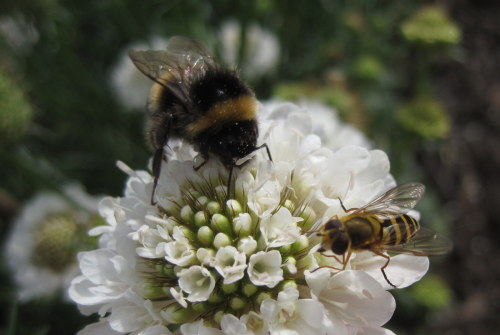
<point x="420" y="78"/>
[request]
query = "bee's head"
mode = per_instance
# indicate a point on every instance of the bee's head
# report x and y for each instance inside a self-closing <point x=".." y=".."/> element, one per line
<point x="339" y="240"/>
<point x="233" y="141"/>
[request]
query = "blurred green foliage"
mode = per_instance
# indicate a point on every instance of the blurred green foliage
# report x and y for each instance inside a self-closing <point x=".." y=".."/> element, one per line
<point x="371" y="60"/>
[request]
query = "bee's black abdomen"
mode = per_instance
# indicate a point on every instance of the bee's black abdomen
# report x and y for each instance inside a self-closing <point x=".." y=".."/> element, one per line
<point x="217" y="86"/>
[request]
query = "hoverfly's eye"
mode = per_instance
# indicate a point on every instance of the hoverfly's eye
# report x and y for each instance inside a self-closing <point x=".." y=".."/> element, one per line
<point x="340" y="243"/>
<point x="333" y="224"/>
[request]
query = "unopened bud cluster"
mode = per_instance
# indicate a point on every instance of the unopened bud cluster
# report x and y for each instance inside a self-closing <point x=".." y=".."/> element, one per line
<point x="219" y="260"/>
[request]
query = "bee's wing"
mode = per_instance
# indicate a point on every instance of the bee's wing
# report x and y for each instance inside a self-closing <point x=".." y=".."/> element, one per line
<point x="184" y="59"/>
<point x="424" y="243"/>
<point x="396" y="201"/>
<point x="180" y="53"/>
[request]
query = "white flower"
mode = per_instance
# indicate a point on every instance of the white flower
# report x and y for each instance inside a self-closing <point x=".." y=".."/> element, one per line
<point x="230" y="264"/>
<point x="42" y="247"/>
<point x="128" y="83"/>
<point x="280" y="228"/>
<point x="264" y="268"/>
<point x="180" y="252"/>
<point x="197" y="282"/>
<point x="351" y="298"/>
<point x="204" y="264"/>
<point x="293" y="316"/>
<point x="262" y="50"/>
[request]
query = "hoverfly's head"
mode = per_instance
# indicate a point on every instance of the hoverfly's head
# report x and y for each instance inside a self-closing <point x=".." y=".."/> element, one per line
<point x="337" y="236"/>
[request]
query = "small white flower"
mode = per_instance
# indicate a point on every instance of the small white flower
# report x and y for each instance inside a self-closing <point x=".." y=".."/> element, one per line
<point x="243" y="224"/>
<point x="264" y="268"/>
<point x="198" y="328"/>
<point x="180" y="252"/>
<point x="291" y="315"/>
<point x="280" y="228"/>
<point x="230" y="264"/>
<point x="197" y="282"/>
<point x="247" y="245"/>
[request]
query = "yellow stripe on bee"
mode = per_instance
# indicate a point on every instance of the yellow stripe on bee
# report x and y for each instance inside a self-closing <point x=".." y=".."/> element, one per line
<point x="235" y="109"/>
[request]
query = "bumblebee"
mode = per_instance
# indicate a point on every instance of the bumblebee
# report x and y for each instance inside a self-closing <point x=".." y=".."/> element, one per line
<point x="382" y="226"/>
<point x="196" y="99"/>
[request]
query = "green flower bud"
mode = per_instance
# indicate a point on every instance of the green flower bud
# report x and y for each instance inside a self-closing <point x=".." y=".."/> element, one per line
<point x="262" y="296"/>
<point x="205" y="236"/>
<point x="300" y="244"/>
<point x="309" y="216"/>
<point x="187" y="214"/>
<point x="216" y="297"/>
<point x="201" y="307"/>
<point x="230" y="288"/>
<point x="220" y="223"/>
<point x="153" y="291"/>
<point x="287" y="284"/>
<point x="237" y="303"/>
<point x="202" y="201"/>
<point x="200" y="219"/>
<point x="221" y="240"/>
<point x="249" y="289"/>
<point x="233" y="208"/>
<point x="213" y="207"/>
<point x="177" y="314"/>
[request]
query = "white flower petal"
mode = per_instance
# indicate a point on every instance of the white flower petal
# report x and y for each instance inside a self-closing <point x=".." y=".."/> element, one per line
<point x="402" y="271"/>
<point x="197" y="282"/>
<point x="264" y="268"/>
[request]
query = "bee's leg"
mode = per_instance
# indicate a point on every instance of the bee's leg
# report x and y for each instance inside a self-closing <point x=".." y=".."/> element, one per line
<point x="205" y="160"/>
<point x="229" y="180"/>
<point x="345" y="259"/>
<point x="385" y="265"/>
<point x="267" y="150"/>
<point x="157" y="158"/>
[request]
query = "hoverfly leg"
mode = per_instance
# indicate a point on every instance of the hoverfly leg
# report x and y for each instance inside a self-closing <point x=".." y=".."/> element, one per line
<point x="345" y="259"/>
<point x="326" y="266"/>
<point x="343" y="207"/>
<point x="385" y="265"/>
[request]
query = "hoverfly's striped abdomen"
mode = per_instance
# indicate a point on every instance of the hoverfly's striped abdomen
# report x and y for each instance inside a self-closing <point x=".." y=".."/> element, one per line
<point x="399" y="229"/>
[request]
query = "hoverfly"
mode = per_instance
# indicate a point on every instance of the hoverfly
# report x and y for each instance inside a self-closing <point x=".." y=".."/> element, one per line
<point x="382" y="226"/>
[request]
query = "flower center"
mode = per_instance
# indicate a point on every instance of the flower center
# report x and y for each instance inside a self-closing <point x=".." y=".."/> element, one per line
<point x="214" y="257"/>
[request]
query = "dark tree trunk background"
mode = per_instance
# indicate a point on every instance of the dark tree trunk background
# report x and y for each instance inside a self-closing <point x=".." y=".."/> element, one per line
<point x="467" y="171"/>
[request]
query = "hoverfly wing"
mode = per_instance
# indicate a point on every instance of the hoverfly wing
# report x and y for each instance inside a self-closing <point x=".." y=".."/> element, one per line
<point x="396" y="201"/>
<point x="424" y="243"/>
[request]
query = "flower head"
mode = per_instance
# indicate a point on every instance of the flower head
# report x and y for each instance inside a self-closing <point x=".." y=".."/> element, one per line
<point x="207" y="262"/>
<point x="45" y="239"/>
